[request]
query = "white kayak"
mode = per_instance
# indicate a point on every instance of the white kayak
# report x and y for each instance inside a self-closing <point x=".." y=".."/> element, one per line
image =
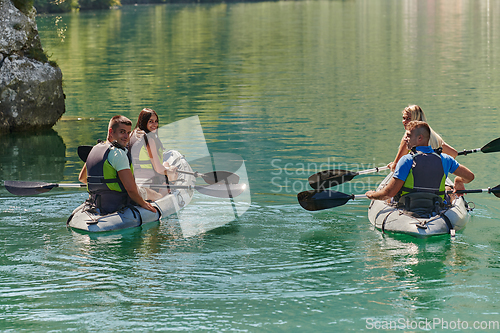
<point x="88" y="219"/>
<point x="442" y="220"/>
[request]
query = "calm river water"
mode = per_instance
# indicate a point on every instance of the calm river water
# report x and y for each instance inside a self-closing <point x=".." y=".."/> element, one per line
<point x="292" y="88"/>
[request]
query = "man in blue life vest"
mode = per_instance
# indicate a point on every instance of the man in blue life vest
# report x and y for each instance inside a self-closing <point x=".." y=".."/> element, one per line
<point x="422" y="170"/>
<point x="108" y="172"/>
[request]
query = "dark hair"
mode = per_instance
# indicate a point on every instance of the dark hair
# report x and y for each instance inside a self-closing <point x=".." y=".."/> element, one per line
<point x="144" y="116"/>
<point x="117" y="120"/>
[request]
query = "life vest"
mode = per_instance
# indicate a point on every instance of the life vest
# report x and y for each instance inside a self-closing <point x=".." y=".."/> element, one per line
<point x="106" y="190"/>
<point x="426" y="175"/>
<point x="143" y="168"/>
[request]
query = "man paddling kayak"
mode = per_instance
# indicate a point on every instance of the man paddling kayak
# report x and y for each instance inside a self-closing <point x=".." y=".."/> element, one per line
<point x="108" y="172"/>
<point x="422" y="170"/>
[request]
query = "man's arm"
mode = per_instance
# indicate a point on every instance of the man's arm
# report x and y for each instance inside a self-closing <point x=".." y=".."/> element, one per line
<point x="128" y="181"/>
<point x="464" y="176"/>
<point x="387" y="192"/>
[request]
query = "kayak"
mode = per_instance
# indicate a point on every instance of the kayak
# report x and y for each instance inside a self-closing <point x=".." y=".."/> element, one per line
<point x="86" y="218"/>
<point x="421" y="223"/>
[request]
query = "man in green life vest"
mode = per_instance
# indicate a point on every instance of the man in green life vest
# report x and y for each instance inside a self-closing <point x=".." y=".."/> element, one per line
<point x="422" y="170"/>
<point x="108" y="172"/>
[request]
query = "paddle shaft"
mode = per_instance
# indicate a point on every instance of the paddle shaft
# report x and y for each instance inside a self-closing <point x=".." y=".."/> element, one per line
<point x="334" y="177"/>
<point x="363" y="172"/>
<point x="490" y="147"/>
<point x="214" y="176"/>
<point x="69" y="185"/>
<point x="180" y="187"/>
<point x="320" y="200"/>
<point x="196" y="174"/>
<point x="465" y="152"/>
<point x="489" y="190"/>
<point x="218" y="190"/>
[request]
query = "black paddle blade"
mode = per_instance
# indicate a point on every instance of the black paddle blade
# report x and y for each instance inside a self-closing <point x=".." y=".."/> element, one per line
<point x="27" y="188"/>
<point x="491" y="147"/>
<point x="83" y="152"/>
<point x="329" y="178"/>
<point x="222" y="190"/>
<point x="496" y="191"/>
<point x="219" y="176"/>
<point x="314" y="200"/>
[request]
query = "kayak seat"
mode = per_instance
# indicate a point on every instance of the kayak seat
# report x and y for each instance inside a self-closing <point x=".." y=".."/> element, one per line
<point x="422" y="204"/>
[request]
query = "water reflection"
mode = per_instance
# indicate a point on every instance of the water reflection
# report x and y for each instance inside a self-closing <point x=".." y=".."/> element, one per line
<point x="38" y="156"/>
<point x="411" y="259"/>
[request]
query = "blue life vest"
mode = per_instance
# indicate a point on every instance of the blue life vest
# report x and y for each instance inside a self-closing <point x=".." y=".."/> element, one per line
<point x="426" y="175"/>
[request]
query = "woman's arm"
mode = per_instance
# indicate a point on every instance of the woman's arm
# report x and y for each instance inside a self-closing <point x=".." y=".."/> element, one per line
<point x="449" y="150"/>
<point x="153" y="156"/>
<point x="82" y="177"/>
<point x="402" y="151"/>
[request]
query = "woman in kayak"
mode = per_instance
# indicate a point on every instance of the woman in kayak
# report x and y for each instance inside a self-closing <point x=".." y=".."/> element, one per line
<point x="147" y="151"/>
<point x="414" y="112"/>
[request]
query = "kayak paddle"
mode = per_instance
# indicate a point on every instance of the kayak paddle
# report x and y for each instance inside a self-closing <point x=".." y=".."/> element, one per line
<point x="329" y="178"/>
<point x="491" y="147"/>
<point x="314" y="200"/>
<point x="319" y="200"/>
<point x="209" y="177"/>
<point x="33" y="188"/>
<point x="215" y="176"/>
<point x="219" y="190"/>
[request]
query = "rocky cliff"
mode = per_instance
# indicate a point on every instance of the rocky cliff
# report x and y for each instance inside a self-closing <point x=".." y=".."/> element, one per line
<point x="31" y="94"/>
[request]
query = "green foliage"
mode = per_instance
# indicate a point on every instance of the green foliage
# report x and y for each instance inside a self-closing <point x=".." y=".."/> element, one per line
<point x="98" y="4"/>
<point x="17" y="26"/>
<point x="40" y="55"/>
<point x="55" y="6"/>
<point x="23" y="5"/>
<point x="37" y="54"/>
<point x="63" y="6"/>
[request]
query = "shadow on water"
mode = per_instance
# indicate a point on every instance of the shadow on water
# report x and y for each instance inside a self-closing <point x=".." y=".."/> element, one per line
<point x="150" y="238"/>
<point x="122" y="243"/>
<point x="34" y="156"/>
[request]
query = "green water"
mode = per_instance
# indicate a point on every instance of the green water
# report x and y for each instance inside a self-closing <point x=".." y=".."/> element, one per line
<point x="292" y="87"/>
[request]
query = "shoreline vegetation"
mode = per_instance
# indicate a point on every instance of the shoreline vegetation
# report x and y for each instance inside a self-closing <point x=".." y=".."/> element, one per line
<point x="64" y="6"/>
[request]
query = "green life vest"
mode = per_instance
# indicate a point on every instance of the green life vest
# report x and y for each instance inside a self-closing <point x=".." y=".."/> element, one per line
<point x="143" y="167"/>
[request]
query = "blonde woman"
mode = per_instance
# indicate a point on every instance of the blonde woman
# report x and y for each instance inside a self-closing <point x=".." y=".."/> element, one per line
<point x="414" y="112"/>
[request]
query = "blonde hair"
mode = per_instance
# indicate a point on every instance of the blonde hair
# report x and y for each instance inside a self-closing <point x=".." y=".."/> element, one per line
<point x="416" y="113"/>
